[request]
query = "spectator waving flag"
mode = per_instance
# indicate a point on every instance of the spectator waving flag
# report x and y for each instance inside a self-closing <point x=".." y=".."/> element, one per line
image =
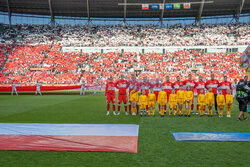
<point x="145" y="6"/>
<point x="187" y="5"/>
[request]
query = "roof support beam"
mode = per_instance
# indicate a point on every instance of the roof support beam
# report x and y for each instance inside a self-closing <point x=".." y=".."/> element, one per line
<point x="198" y="18"/>
<point x="239" y="9"/>
<point x="88" y="11"/>
<point x="51" y="13"/>
<point x="162" y="13"/>
<point x="9" y="12"/>
<point x="125" y="12"/>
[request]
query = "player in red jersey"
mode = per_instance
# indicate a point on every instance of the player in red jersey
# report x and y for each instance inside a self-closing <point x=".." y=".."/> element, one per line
<point x="157" y="88"/>
<point x="177" y="84"/>
<point x="191" y="83"/>
<point x="122" y="86"/>
<point x="110" y="94"/>
<point x="200" y="85"/>
<point x="145" y="85"/>
<point x="213" y="83"/>
<point x="167" y="86"/>
<point x="225" y="85"/>
<point x="131" y="84"/>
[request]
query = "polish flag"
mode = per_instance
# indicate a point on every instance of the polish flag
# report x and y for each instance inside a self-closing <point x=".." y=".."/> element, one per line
<point x="69" y="137"/>
<point x="145" y="6"/>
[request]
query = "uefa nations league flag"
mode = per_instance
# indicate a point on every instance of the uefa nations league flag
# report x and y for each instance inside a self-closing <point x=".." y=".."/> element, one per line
<point x="161" y="6"/>
<point x="186" y="5"/>
<point x="69" y="137"/>
<point x="168" y="6"/>
<point x="155" y="6"/>
<point x="145" y="6"/>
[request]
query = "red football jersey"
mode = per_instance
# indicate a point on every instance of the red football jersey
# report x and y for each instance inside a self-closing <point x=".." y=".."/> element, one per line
<point x="132" y="84"/>
<point x="168" y="86"/>
<point x="157" y="88"/>
<point x="189" y="83"/>
<point x="122" y="86"/>
<point x="200" y="85"/>
<point x="145" y="86"/>
<point x="225" y="86"/>
<point x="110" y="89"/>
<point x="212" y="84"/>
<point x="177" y="85"/>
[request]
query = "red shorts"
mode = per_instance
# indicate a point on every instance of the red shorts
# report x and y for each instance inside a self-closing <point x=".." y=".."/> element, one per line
<point x="111" y="98"/>
<point x="122" y="97"/>
<point x="156" y="94"/>
<point x="168" y="94"/>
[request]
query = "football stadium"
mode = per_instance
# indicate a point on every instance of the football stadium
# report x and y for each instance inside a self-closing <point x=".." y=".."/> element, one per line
<point x="124" y="83"/>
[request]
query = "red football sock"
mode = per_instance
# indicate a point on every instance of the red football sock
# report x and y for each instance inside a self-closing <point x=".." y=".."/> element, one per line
<point x="159" y="107"/>
<point x="192" y="107"/>
<point x="113" y="108"/>
<point x="126" y="108"/>
<point x="165" y="107"/>
<point x="119" y="107"/>
<point x="137" y="108"/>
<point x="197" y="106"/>
<point x="129" y="108"/>
<point x="147" y="107"/>
<point x="108" y="107"/>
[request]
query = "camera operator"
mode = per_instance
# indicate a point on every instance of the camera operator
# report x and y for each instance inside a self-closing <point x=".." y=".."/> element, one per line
<point x="242" y="97"/>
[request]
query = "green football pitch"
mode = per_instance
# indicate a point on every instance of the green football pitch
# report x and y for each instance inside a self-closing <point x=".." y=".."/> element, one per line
<point x="156" y="145"/>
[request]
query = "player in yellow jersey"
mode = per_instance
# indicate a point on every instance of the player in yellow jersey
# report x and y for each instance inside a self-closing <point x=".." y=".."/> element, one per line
<point x="229" y="102"/>
<point x="134" y="99"/>
<point x="162" y="100"/>
<point x="210" y="102"/>
<point x="202" y="102"/>
<point x="180" y="100"/>
<point x="143" y="102"/>
<point x="172" y="102"/>
<point x="151" y="102"/>
<point x="188" y="99"/>
<point x="220" y="99"/>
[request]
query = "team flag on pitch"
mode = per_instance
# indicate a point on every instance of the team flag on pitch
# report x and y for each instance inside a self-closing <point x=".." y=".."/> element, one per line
<point x="145" y="6"/>
<point x="69" y="137"/>
<point x="155" y="6"/>
<point x="168" y="6"/>
<point x="177" y="6"/>
<point x="187" y="6"/>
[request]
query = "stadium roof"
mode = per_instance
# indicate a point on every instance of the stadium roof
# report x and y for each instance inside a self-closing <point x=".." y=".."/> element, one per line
<point x="111" y="9"/>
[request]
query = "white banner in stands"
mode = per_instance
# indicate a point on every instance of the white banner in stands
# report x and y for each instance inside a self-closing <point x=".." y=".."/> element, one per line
<point x="157" y="49"/>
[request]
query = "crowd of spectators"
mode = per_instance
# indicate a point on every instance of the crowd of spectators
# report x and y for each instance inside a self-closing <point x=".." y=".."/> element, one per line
<point x="130" y="35"/>
<point x="47" y="64"/>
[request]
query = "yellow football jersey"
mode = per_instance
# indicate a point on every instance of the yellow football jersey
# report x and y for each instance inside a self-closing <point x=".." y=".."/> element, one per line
<point x="189" y="95"/>
<point x="201" y="98"/>
<point x="180" y="94"/>
<point x="229" y="98"/>
<point x="143" y="100"/>
<point x="151" y="97"/>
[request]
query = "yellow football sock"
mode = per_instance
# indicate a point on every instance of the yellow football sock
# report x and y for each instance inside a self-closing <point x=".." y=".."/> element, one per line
<point x="170" y="111"/>
<point x="133" y="110"/>
<point x="153" y="111"/>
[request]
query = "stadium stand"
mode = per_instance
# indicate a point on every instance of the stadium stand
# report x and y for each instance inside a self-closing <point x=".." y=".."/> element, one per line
<point x="49" y="65"/>
<point x="131" y="35"/>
